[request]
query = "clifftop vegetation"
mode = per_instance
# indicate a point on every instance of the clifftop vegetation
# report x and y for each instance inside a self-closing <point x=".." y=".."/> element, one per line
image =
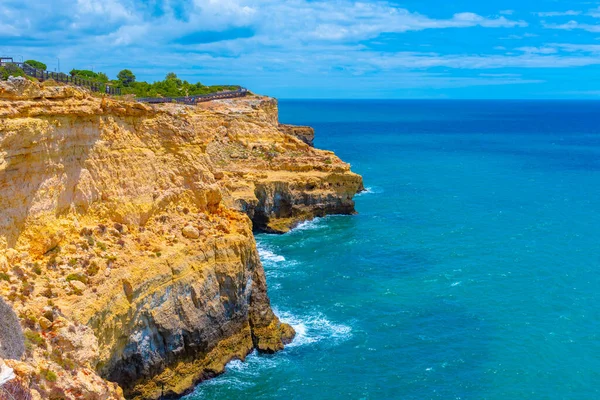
<point x="126" y="80"/>
<point x="171" y="86"/>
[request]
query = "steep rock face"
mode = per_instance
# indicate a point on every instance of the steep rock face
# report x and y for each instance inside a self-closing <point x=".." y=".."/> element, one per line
<point x="12" y="342"/>
<point x="126" y="243"/>
<point x="275" y="178"/>
<point x="304" y="133"/>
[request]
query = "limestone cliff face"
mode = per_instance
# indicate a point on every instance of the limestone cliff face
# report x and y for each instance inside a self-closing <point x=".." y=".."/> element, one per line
<point x="304" y="133"/>
<point x="126" y="244"/>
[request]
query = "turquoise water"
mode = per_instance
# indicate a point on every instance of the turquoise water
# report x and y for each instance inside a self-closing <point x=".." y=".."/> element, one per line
<point x="471" y="271"/>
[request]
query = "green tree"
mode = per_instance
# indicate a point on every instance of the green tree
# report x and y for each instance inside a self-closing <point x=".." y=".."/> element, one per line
<point x="84" y="73"/>
<point x="126" y="77"/>
<point x="102" y="77"/>
<point x="37" y="64"/>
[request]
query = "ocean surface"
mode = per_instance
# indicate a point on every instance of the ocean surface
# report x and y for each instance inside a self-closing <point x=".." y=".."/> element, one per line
<point x="470" y="272"/>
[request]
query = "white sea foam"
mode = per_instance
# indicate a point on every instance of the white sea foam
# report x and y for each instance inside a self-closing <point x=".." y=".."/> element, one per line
<point x="456" y="283"/>
<point x="267" y="255"/>
<point x="254" y="364"/>
<point x="310" y="329"/>
<point x="314" y="328"/>
<point x="276" y="266"/>
<point x="309" y="225"/>
<point x="236" y="365"/>
<point x="367" y="190"/>
<point x="370" y="190"/>
<point x="241" y="374"/>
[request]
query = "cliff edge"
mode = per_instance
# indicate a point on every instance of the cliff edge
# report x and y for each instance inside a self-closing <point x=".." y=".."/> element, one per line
<point x="126" y="234"/>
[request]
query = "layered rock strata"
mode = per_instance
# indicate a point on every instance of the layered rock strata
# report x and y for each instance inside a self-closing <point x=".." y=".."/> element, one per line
<point x="304" y="133"/>
<point x="126" y="235"/>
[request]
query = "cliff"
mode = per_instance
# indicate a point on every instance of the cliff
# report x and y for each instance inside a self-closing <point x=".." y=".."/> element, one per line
<point x="126" y="235"/>
<point x="304" y="133"/>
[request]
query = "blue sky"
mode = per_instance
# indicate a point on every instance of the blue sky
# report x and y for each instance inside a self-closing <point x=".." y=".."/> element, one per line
<point x="324" y="49"/>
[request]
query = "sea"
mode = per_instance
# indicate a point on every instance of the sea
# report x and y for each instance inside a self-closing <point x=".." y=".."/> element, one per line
<point x="471" y="271"/>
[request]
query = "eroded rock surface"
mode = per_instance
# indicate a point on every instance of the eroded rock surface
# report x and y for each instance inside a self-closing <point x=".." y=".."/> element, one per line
<point x="304" y="133"/>
<point x="126" y="235"/>
<point x="12" y="341"/>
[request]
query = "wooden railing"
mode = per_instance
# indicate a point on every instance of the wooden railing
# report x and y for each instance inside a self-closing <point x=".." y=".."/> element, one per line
<point x="191" y="100"/>
<point x="61" y="77"/>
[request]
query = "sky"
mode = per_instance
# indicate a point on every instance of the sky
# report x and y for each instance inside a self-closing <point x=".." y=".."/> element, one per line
<point x="516" y="49"/>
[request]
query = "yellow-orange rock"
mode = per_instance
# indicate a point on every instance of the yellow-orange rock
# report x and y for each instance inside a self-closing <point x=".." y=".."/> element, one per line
<point x="95" y="198"/>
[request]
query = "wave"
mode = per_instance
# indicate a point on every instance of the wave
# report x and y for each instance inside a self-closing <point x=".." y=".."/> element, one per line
<point x="276" y="265"/>
<point x="370" y="190"/>
<point x="240" y="374"/>
<point x="267" y="255"/>
<point x="314" y="328"/>
<point x="308" y="225"/>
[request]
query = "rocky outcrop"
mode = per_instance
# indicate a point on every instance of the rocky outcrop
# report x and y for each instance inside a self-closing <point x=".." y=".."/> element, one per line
<point x="304" y="133"/>
<point x="12" y="341"/>
<point x="126" y="235"/>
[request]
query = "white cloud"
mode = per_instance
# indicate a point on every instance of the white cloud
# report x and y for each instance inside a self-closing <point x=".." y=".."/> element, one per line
<point x="571" y="25"/>
<point x="519" y="37"/>
<point x="559" y="13"/>
<point x="111" y="9"/>
<point x="414" y="60"/>
<point x="594" y="12"/>
<point x="342" y="20"/>
<point x="538" y="50"/>
<point x="471" y="19"/>
<point x="279" y="39"/>
<point x="228" y="12"/>
<point x="501" y="75"/>
<point x="570" y="47"/>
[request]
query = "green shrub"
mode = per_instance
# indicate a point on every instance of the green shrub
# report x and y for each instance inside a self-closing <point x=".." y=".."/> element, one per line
<point x="171" y="86"/>
<point x="48" y="375"/>
<point x="57" y="357"/>
<point x="34" y="338"/>
<point x="37" y="64"/>
<point x="76" y="277"/>
<point x="84" y="73"/>
<point x="10" y="70"/>
<point x="37" y="269"/>
<point x="93" y="268"/>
